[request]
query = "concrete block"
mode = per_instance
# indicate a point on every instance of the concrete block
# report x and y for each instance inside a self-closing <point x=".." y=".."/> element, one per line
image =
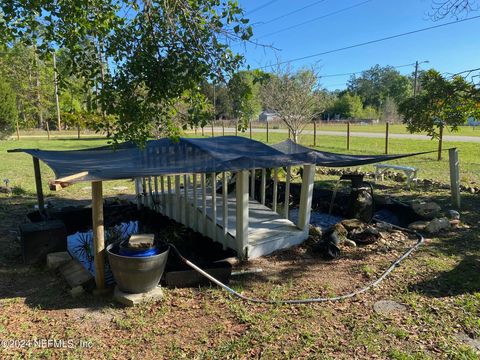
<point x="74" y="273"/>
<point x="153" y="295"/>
<point x="56" y="259"/>
<point x="41" y="238"/>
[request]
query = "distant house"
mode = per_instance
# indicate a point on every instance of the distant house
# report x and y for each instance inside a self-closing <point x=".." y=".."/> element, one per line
<point x="267" y="116"/>
<point x="473" y="122"/>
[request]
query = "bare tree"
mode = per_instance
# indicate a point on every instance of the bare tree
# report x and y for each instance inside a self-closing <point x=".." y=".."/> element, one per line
<point x="292" y="96"/>
<point x="454" y="8"/>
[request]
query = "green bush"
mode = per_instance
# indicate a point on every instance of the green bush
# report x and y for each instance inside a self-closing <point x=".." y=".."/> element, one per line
<point x="8" y="110"/>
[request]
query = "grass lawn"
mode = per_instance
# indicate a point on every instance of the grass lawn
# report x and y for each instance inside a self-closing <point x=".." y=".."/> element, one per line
<point x="439" y="285"/>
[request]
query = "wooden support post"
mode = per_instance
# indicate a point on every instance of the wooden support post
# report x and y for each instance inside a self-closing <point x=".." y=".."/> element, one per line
<point x="263" y="186"/>
<point x="267" y="130"/>
<point x="252" y="184"/>
<point x="214" y="206"/>
<point x="213" y="133"/>
<point x="203" y="131"/>
<point x="454" y="177"/>
<point x="38" y="184"/>
<point x="223" y="127"/>
<point x="177" y="204"/>
<point x="387" y="125"/>
<point x="236" y="127"/>
<point x="204" y="203"/>
<point x="186" y="217"/>
<point x="98" y="234"/>
<point x="306" y="194"/>
<point x="314" y="133"/>
<point x="195" y="202"/>
<point x="241" y="237"/>
<point x="275" y="189"/>
<point x="225" y="209"/>
<point x="287" y="192"/>
<point x="250" y="123"/>
<point x="348" y="135"/>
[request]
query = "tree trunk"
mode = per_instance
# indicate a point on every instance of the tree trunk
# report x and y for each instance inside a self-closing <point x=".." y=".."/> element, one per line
<point x="294" y="136"/>
<point x="440" y="143"/>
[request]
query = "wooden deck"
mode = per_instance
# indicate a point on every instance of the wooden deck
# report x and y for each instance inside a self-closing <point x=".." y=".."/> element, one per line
<point x="267" y="230"/>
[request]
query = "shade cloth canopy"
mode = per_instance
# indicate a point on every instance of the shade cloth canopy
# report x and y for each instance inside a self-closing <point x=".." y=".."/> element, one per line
<point x="190" y="155"/>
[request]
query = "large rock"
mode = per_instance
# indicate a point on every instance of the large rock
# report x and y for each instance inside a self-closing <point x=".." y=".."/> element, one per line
<point x="453" y="215"/>
<point x="427" y="210"/>
<point x="437" y="225"/>
<point x="418" y="225"/>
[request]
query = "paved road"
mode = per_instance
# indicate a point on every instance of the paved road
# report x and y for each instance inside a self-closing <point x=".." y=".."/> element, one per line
<point x="474" y="139"/>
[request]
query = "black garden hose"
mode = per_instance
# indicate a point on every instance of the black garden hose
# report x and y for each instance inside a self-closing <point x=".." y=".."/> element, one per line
<point x="420" y="241"/>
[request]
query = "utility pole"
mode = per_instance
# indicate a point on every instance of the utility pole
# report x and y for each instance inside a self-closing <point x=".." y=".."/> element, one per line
<point x="415" y="79"/>
<point x="55" y="82"/>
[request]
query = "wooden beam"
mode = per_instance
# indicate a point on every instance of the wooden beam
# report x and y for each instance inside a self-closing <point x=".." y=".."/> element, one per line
<point x="195" y="202"/>
<point x="186" y="185"/>
<point x="454" y="177"/>
<point x="203" y="181"/>
<point x="137" y="192"/>
<point x="38" y="184"/>
<point x="241" y="237"/>
<point x="169" y="211"/>
<point x="177" y="204"/>
<point x="162" y="192"/>
<point x="252" y="184"/>
<point x="65" y="181"/>
<point x="306" y="194"/>
<point x="98" y="234"/>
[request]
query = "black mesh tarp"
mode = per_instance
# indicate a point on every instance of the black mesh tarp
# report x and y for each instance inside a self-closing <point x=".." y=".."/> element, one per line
<point x="191" y="155"/>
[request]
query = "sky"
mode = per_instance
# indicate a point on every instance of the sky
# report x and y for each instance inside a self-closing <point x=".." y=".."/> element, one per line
<point x="449" y="49"/>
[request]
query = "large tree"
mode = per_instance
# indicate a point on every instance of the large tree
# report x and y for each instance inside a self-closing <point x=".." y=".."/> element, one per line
<point x="8" y="109"/>
<point x="376" y="85"/>
<point x="155" y="49"/>
<point x="244" y="92"/>
<point x="455" y="8"/>
<point x="441" y="103"/>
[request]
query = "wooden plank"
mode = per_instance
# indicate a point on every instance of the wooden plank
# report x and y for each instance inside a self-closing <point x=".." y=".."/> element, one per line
<point x="162" y="192"/>
<point x="241" y="225"/>
<point x="150" y="193"/>
<point x="454" y="177"/>
<point x="98" y="234"/>
<point x="144" y="191"/>
<point x="252" y="183"/>
<point x="275" y="189"/>
<point x="287" y="192"/>
<point x="204" y="204"/>
<point x="169" y="211"/>
<point x="306" y="194"/>
<point x="66" y="181"/>
<point x="156" y="196"/>
<point x="137" y="193"/>
<point x="263" y="185"/>
<point x="214" y="206"/>
<point x="225" y="209"/>
<point x="195" y="202"/>
<point x="177" y="204"/>
<point x="186" y="184"/>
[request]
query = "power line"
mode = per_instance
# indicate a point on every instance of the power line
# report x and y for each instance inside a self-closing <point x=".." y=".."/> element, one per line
<point x="359" y="72"/>
<point x="317" y="18"/>
<point x="290" y="13"/>
<point x="261" y="6"/>
<point x="371" y="42"/>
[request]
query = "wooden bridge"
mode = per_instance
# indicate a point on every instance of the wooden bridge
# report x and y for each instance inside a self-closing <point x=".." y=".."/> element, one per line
<point x="234" y="219"/>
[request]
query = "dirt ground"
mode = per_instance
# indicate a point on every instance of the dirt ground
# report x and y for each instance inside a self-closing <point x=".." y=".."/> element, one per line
<point x="438" y="285"/>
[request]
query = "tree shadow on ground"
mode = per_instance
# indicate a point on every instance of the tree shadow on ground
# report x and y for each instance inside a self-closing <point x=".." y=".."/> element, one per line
<point x="462" y="279"/>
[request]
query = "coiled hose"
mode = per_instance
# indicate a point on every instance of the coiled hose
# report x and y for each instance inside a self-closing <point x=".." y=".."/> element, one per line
<point x="420" y="241"/>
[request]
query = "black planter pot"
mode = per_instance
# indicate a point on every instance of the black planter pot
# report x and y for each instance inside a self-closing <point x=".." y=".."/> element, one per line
<point x="137" y="274"/>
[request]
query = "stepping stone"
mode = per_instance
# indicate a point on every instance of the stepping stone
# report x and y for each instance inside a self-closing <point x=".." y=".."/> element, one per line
<point x="388" y="307"/>
<point x="153" y="295"/>
<point x="56" y="259"/>
<point x="464" y="338"/>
